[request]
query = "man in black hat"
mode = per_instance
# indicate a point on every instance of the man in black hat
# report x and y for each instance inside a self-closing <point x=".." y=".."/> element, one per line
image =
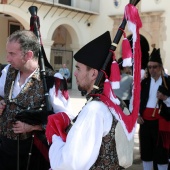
<point x="154" y="116"/>
<point x="90" y="143"/>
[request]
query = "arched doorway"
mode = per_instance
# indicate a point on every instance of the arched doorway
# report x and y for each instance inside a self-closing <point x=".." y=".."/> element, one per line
<point x="61" y="52"/>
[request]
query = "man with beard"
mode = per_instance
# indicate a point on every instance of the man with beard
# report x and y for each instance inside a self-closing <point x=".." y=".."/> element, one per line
<point x="91" y="142"/>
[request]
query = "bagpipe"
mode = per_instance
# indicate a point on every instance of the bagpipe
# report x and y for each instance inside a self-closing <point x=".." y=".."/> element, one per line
<point x="34" y="27"/>
<point x="129" y="121"/>
<point x="32" y="117"/>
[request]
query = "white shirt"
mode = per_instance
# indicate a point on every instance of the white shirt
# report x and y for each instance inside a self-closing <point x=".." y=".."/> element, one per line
<point x="16" y="88"/>
<point x="83" y="143"/>
<point x="58" y="103"/>
<point x="153" y="94"/>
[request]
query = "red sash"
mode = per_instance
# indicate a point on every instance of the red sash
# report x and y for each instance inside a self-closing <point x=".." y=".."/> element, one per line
<point x="151" y="114"/>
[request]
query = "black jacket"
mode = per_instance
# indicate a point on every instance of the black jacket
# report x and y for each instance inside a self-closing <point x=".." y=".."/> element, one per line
<point x="145" y="87"/>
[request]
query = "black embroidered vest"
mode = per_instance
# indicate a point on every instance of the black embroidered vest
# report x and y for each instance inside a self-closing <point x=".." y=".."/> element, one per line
<point x="108" y="158"/>
<point x="31" y="96"/>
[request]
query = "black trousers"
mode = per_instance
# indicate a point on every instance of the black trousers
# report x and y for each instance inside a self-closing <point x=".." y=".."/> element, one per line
<point x="8" y="155"/>
<point x="151" y="148"/>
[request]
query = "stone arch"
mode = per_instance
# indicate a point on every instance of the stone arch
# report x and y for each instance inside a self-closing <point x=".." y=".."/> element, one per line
<point x="16" y="13"/>
<point x="71" y="27"/>
<point x="76" y="37"/>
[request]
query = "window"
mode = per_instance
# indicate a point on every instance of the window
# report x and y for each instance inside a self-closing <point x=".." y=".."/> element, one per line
<point x="65" y="2"/>
<point x="13" y="26"/>
<point x="57" y="59"/>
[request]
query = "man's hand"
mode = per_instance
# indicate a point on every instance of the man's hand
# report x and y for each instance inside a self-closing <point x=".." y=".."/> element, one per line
<point x="140" y="120"/>
<point x="161" y="96"/>
<point x="2" y="106"/>
<point x="21" y="127"/>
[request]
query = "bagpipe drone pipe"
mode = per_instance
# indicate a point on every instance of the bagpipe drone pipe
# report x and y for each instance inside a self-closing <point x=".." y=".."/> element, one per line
<point x="39" y="115"/>
<point x="43" y="62"/>
<point x="131" y="15"/>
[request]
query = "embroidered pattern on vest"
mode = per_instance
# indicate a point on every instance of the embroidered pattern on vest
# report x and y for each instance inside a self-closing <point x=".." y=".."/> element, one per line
<point x="31" y="96"/>
<point x="108" y="158"/>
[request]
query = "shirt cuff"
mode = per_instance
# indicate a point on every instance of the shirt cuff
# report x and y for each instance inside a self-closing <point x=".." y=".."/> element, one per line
<point x="167" y="102"/>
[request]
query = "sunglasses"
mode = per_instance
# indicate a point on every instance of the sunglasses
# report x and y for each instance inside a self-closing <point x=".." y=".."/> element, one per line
<point x="154" y="67"/>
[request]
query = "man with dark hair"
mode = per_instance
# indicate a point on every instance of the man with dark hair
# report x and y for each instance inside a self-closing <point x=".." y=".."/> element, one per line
<point x="154" y="116"/>
<point x="91" y="142"/>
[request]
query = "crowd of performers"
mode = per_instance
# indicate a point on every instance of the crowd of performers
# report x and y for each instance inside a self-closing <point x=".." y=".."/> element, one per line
<point x="100" y="136"/>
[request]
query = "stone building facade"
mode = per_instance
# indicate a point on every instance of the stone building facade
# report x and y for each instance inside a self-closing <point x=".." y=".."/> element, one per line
<point x="67" y="25"/>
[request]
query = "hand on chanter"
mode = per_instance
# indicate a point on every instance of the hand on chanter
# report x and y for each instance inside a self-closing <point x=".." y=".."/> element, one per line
<point x="21" y="127"/>
<point x="2" y="106"/>
<point x="140" y="120"/>
<point x="161" y="96"/>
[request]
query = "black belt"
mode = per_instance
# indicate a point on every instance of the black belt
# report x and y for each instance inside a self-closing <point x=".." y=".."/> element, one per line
<point x="22" y="136"/>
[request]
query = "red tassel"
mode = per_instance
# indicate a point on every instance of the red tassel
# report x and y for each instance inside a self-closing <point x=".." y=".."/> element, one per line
<point x="126" y="53"/>
<point x="115" y="75"/>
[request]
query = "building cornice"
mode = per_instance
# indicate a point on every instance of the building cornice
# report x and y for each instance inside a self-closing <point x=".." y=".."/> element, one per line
<point x="142" y="14"/>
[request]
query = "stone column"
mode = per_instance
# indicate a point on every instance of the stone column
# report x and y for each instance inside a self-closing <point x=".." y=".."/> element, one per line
<point x="47" y="47"/>
<point x="75" y="48"/>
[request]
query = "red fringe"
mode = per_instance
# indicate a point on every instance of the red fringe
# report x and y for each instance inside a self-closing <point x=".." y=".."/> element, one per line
<point x="57" y="85"/>
<point x="65" y="94"/>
